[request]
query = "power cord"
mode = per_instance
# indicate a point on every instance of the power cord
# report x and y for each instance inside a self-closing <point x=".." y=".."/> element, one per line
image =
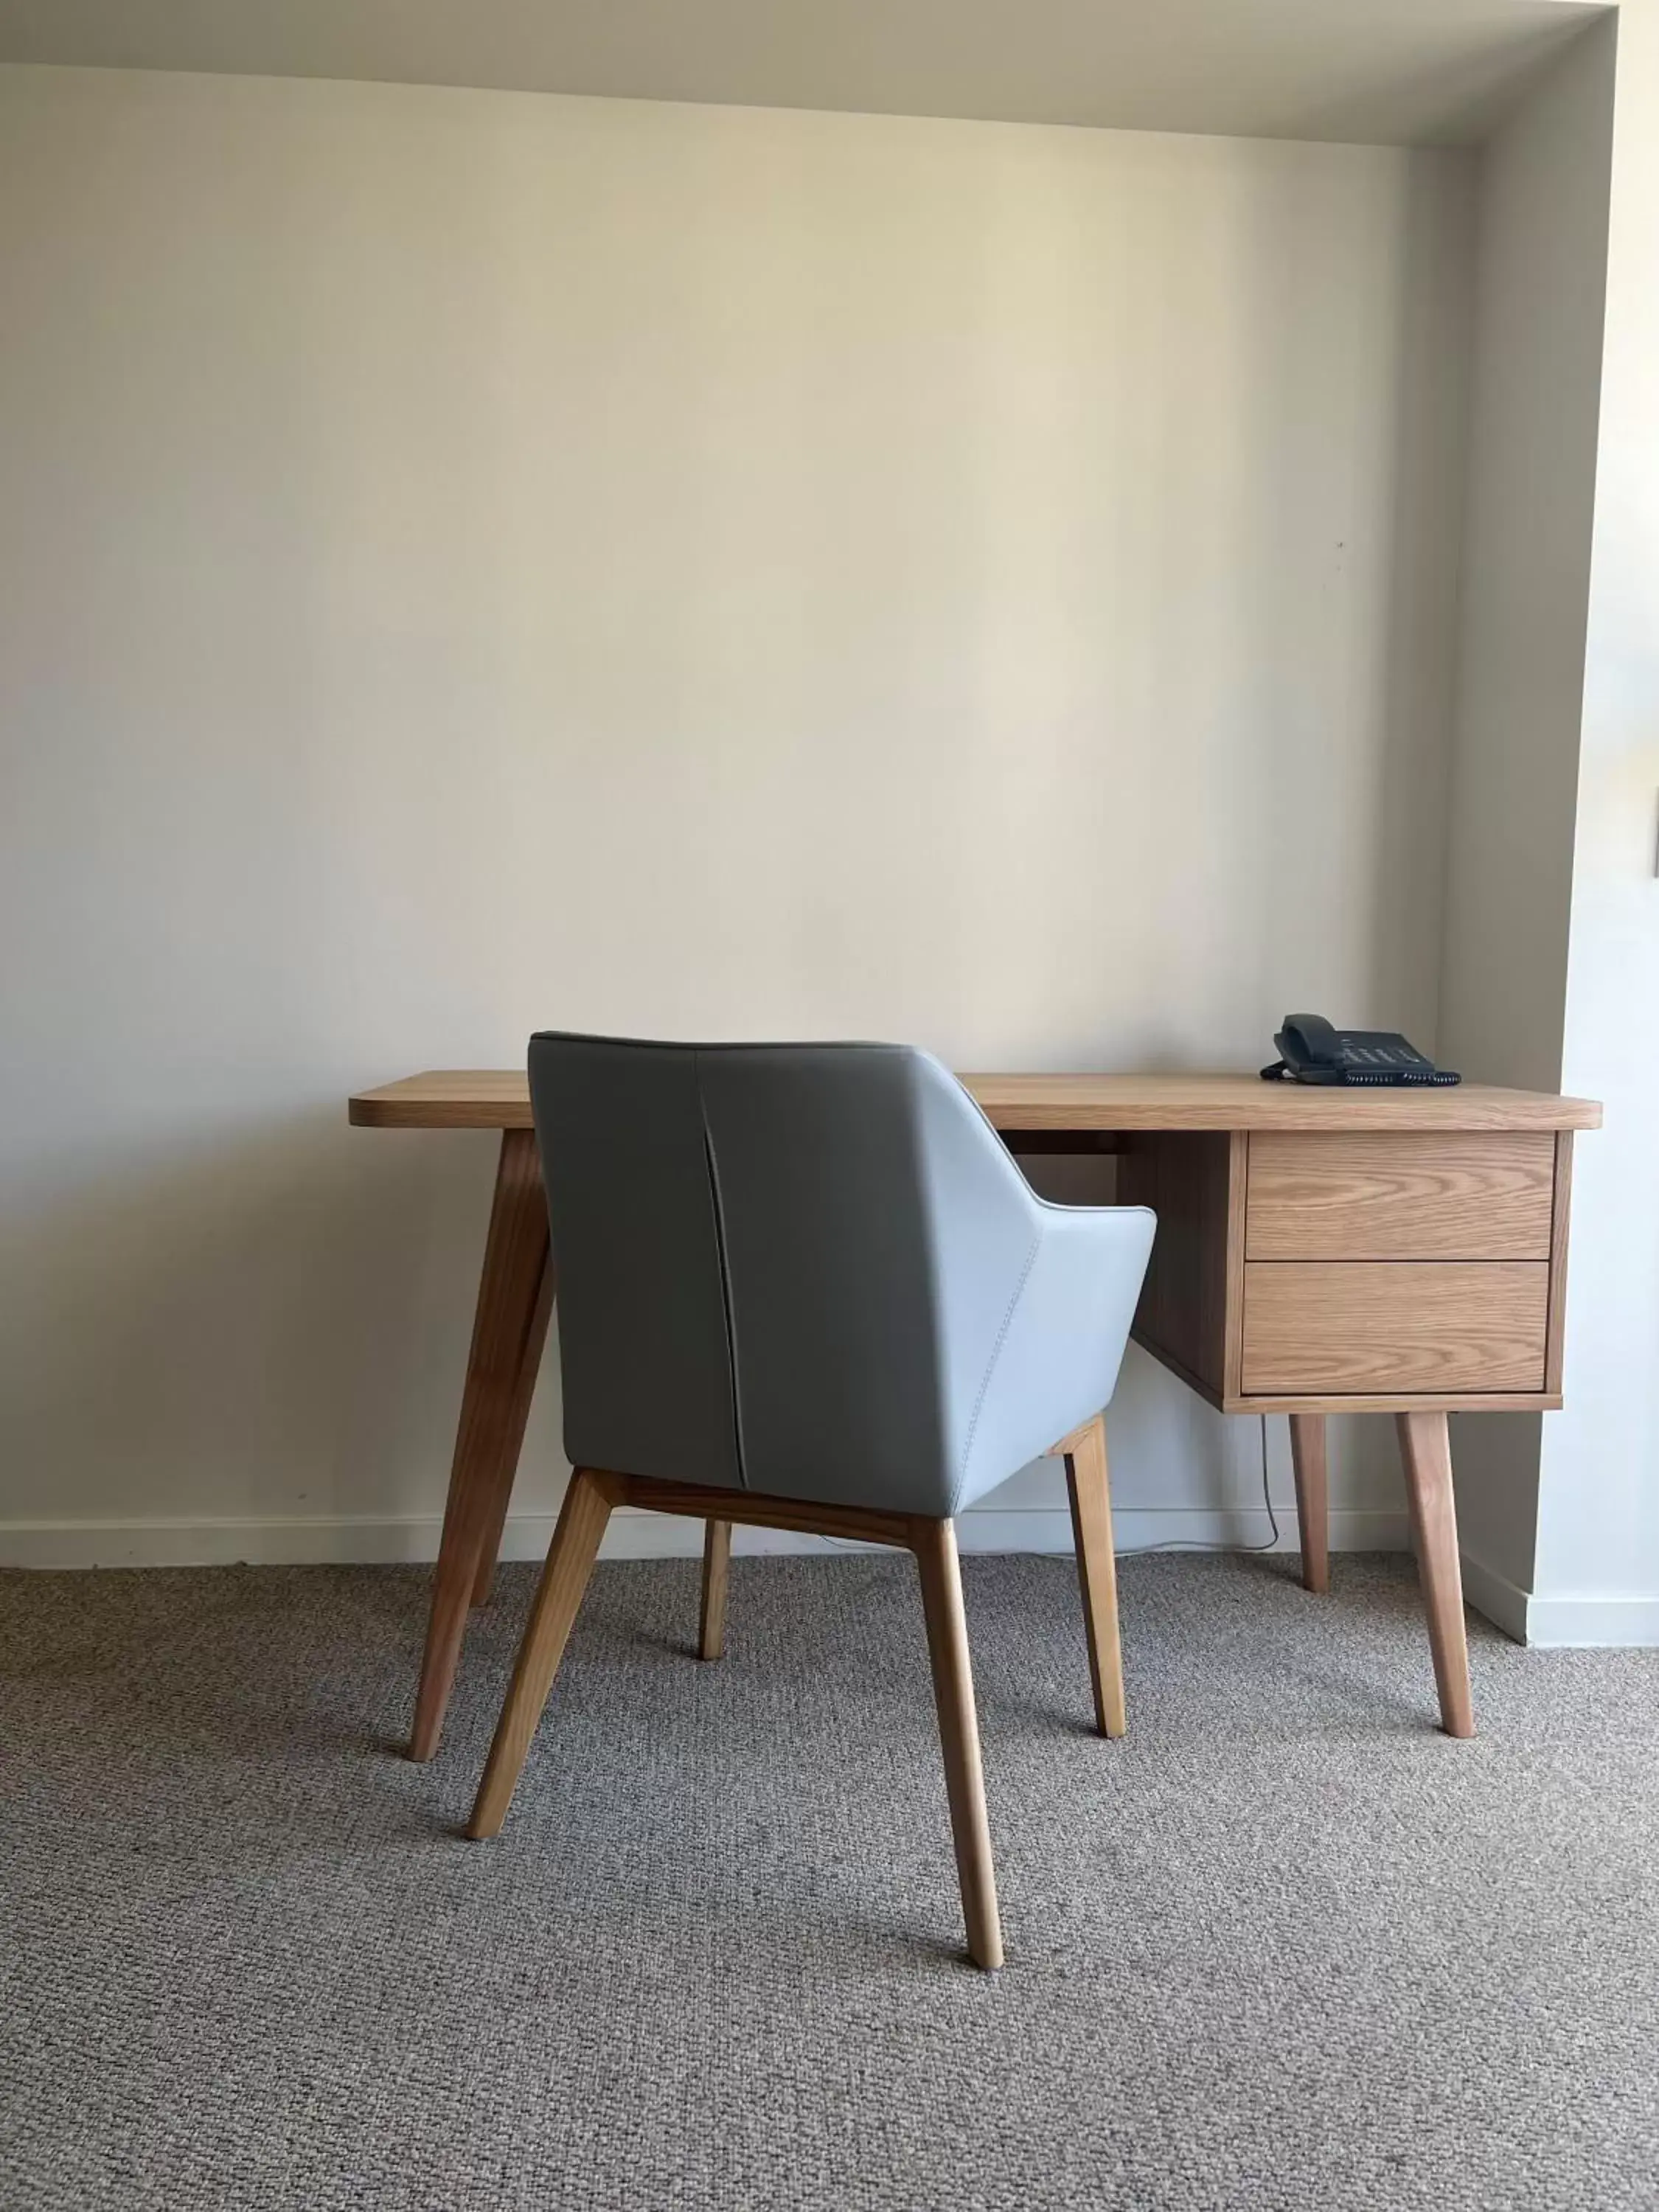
<point x="1193" y="1543"/>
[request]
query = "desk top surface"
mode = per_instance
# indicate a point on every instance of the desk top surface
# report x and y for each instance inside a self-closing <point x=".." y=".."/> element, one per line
<point x="499" y="1098"/>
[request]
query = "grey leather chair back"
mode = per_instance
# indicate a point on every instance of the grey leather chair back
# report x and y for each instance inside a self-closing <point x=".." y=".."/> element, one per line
<point x="812" y="1271"/>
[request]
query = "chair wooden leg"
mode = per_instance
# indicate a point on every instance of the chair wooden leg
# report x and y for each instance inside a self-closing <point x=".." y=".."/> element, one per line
<point x="570" y="1562"/>
<point x="716" y="1566"/>
<point x="1425" y="1448"/>
<point x="509" y="1327"/>
<point x="1312" y="1512"/>
<point x="1087" y="1483"/>
<point x="935" y="1546"/>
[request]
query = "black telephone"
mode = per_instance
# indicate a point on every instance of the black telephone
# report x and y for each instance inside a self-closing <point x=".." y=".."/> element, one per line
<point x="1315" y="1053"/>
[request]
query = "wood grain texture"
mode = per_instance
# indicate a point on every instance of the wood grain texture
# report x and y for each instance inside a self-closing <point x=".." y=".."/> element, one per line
<point x="499" y="1098"/>
<point x="1181" y="1317"/>
<point x="582" y="1518"/>
<point x="510" y="1329"/>
<point x="1560" y="1219"/>
<point x="1232" y="1330"/>
<point x="1393" y="1401"/>
<point x="1425" y="1327"/>
<point x="1072" y="1442"/>
<point x="513" y="1441"/>
<point x="1426" y="1451"/>
<point x="716" y="1571"/>
<point x="935" y="1545"/>
<point x="448" y="1098"/>
<point x="1460" y="1195"/>
<point x="753" y="1508"/>
<point x="1307" y="1459"/>
<point x="1089" y="1489"/>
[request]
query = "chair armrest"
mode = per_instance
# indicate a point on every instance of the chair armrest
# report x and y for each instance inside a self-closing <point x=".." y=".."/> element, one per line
<point x="1056" y="1362"/>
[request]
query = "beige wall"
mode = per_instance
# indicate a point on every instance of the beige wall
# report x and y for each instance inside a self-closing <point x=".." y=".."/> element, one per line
<point x="475" y="561"/>
<point x="1541" y="271"/>
<point x="1597" y="1574"/>
<point x="1552" y="936"/>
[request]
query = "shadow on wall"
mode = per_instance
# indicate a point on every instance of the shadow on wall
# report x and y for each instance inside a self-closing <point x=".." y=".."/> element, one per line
<point x="273" y="1324"/>
<point x="1356" y="607"/>
<point x="1429" y="452"/>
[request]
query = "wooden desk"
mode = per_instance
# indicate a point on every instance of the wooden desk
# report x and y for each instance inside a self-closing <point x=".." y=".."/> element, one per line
<point x="1318" y="1251"/>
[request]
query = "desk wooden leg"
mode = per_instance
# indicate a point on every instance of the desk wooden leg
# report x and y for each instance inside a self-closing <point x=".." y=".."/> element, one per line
<point x="509" y="1327"/>
<point x="1425" y="1448"/>
<point x="1307" y="1458"/>
<point x="490" y="1551"/>
<point x="535" y="1345"/>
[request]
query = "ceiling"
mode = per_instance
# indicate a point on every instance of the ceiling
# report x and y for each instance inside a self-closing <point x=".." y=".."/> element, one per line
<point x="1391" y="71"/>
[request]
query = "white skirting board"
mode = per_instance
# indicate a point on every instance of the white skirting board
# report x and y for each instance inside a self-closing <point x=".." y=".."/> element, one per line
<point x="1502" y="1602"/>
<point x="363" y="1539"/>
<point x="341" y="1540"/>
<point x="1562" y="1621"/>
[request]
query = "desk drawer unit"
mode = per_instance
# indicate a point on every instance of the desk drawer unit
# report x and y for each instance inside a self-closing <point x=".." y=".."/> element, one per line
<point x="1464" y="1195"/>
<point x="1403" y="1263"/>
<point x="1329" y="1326"/>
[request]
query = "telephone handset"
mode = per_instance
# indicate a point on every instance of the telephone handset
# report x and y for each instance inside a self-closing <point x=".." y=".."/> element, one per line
<point x="1315" y="1053"/>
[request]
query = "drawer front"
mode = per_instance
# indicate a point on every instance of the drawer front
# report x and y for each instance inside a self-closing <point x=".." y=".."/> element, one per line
<point x="1324" y="1327"/>
<point x="1464" y="1195"/>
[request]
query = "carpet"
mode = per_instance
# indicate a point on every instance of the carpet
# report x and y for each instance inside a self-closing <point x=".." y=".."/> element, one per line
<point x="1284" y="1946"/>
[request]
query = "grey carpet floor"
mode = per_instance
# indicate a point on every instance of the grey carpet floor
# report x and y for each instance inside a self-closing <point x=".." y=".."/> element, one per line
<point x="1284" y="1946"/>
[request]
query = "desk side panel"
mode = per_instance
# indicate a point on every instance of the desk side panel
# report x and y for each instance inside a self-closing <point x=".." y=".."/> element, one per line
<point x="1193" y="1182"/>
<point x="1559" y="1220"/>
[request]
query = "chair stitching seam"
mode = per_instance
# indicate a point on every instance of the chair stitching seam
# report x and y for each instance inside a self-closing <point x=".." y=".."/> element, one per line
<point x="996" y="1353"/>
<point x="711" y="1167"/>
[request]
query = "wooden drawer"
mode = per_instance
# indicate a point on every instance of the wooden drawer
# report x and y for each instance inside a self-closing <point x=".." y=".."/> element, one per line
<point x="1461" y="1196"/>
<point x="1441" y="1327"/>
